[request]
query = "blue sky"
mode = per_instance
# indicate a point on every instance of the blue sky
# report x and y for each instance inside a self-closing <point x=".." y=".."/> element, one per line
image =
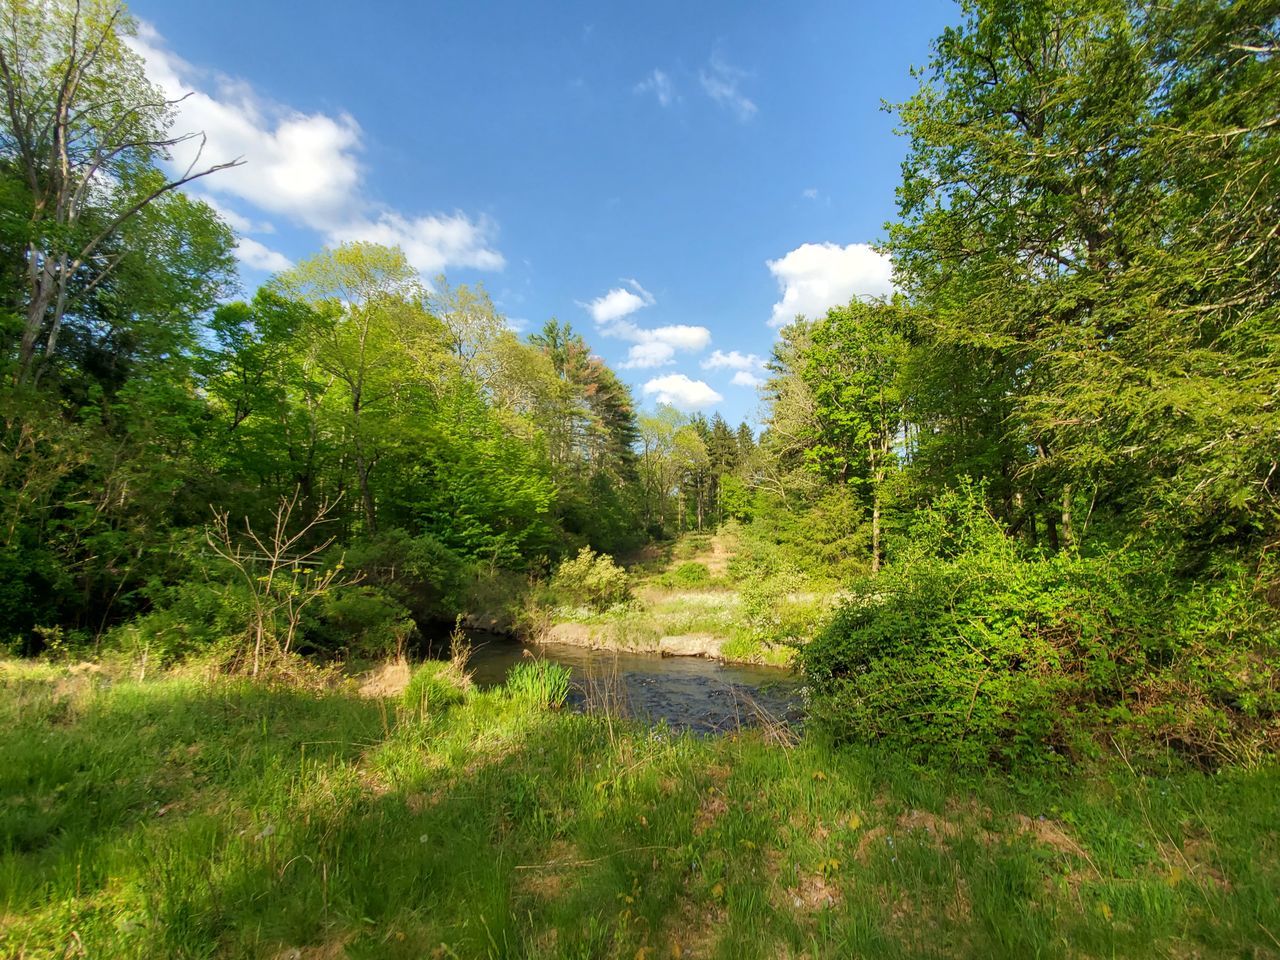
<point x="675" y="180"/>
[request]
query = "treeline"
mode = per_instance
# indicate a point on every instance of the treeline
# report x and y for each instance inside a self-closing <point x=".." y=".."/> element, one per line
<point x="169" y="452"/>
<point x="1062" y="438"/>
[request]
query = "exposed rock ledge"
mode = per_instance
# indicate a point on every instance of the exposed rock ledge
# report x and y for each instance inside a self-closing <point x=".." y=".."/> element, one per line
<point x="692" y="645"/>
<point x="600" y="637"/>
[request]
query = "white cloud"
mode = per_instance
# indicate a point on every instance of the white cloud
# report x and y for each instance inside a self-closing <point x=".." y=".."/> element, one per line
<point x="733" y="360"/>
<point x="657" y="347"/>
<point x="653" y="347"/>
<point x="815" y="276"/>
<point x="430" y="243"/>
<point x="619" y="302"/>
<point x="681" y="336"/>
<point x="261" y="257"/>
<point x="720" y="82"/>
<point x="677" y="390"/>
<point x="810" y="194"/>
<point x="745" y="379"/>
<point x="661" y="86"/>
<point x="643" y="356"/>
<point x="302" y="166"/>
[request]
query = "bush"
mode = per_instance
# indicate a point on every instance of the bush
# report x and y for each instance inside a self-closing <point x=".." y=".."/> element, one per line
<point x="591" y="580"/>
<point x="690" y="575"/>
<point x="543" y="682"/>
<point x="360" y="621"/>
<point x="969" y="651"/>
<point x="420" y="573"/>
<point x="190" y="618"/>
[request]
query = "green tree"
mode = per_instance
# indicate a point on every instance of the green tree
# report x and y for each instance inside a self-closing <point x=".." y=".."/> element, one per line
<point x="83" y="131"/>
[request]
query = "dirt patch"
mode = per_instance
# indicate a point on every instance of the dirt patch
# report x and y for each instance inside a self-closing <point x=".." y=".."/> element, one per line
<point x="716" y="557"/>
<point x="333" y="950"/>
<point x="876" y="836"/>
<point x="812" y="892"/>
<point x="712" y="808"/>
<point x="1193" y="862"/>
<point x="933" y="826"/>
<point x="692" y="934"/>
<point x="574" y="634"/>
<point x="1049" y="833"/>
<point x="388" y="680"/>
<point x="553" y="877"/>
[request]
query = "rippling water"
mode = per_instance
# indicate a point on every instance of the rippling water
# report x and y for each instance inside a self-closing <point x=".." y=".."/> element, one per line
<point x="686" y="693"/>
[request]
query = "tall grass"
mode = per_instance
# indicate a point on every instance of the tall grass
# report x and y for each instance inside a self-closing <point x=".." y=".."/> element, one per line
<point x="543" y="682"/>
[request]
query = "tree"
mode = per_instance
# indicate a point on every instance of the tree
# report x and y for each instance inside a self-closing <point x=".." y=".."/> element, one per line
<point x="853" y="367"/>
<point x="83" y="130"/>
<point x="1089" y="203"/>
<point x="375" y="326"/>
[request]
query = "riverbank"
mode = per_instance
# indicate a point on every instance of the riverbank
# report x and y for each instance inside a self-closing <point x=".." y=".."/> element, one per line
<point x="197" y="817"/>
<point x="690" y="599"/>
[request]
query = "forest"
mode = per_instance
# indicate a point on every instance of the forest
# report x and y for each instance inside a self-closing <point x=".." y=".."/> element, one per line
<point x="1015" y="529"/>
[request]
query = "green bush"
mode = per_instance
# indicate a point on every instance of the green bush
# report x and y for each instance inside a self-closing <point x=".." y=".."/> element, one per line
<point x="360" y="621"/>
<point x="190" y="618"/>
<point x="591" y="579"/>
<point x="543" y="682"/>
<point x="971" y="652"/>
<point x="690" y="575"/>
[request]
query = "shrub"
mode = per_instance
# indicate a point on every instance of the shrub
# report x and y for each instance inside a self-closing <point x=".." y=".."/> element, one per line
<point x="361" y="621"/>
<point x="592" y="580"/>
<point x="971" y="652"/>
<point x="690" y="575"/>
<point x="191" y="617"/>
<point x="543" y="682"/>
<point x="420" y="573"/>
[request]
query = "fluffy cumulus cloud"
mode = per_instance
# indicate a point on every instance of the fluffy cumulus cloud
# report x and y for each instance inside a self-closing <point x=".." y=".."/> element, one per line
<point x="733" y="360"/>
<point x="660" y="84"/>
<point x="745" y="366"/>
<point x="619" y="302"/>
<point x="432" y="243"/>
<point x="260" y="256"/>
<point x="650" y="347"/>
<point x="657" y="347"/>
<point x="722" y="83"/>
<point x="304" y="167"/>
<point x="677" y="390"/>
<point x="815" y="276"/>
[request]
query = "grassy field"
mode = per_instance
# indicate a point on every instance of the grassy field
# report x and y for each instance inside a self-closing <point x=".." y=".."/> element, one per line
<point x="189" y="817"/>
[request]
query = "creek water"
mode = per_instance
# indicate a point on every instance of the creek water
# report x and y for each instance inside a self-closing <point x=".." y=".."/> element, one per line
<point x="685" y="693"/>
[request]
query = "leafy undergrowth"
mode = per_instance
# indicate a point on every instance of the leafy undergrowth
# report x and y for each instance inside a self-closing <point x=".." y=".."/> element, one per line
<point x="187" y="817"/>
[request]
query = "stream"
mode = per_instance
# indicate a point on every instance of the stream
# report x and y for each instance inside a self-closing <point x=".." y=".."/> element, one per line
<point x="685" y="693"/>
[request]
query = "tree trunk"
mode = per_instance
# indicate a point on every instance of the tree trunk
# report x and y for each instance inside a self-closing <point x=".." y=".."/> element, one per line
<point x="1068" y="534"/>
<point x="875" y="531"/>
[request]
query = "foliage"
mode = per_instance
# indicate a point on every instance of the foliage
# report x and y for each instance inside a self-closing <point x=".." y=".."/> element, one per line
<point x="591" y="580"/>
<point x="972" y="651"/>
<point x="358" y="621"/>
<point x="690" y="575"/>
<point x="541" y="682"/>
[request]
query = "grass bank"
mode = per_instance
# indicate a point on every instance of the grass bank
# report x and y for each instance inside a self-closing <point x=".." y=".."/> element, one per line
<point x="696" y="595"/>
<point x="189" y="817"/>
